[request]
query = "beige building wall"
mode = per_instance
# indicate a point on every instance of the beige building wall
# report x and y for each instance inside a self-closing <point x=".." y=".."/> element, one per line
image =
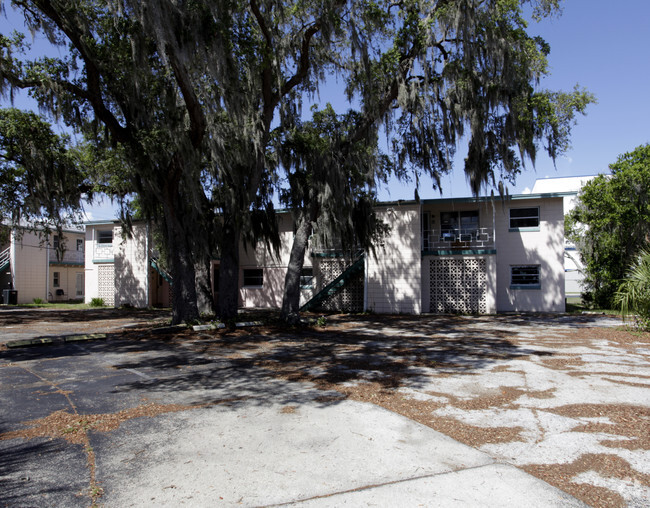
<point x="543" y="247"/>
<point x="29" y="267"/>
<point x="70" y="269"/>
<point x="393" y="275"/>
<point x="270" y="293"/>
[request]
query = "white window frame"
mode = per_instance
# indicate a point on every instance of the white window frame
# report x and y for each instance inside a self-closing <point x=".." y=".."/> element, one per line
<point x="307" y="278"/>
<point x="251" y="280"/>
<point x="56" y="279"/>
<point x="527" y="277"/>
<point x="516" y="227"/>
<point x="102" y="236"/>
<point x="80" y="245"/>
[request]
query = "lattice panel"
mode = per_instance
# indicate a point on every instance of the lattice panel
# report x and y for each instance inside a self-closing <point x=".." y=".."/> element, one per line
<point x="348" y="299"/>
<point x="106" y="290"/>
<point x="458" y="286"/>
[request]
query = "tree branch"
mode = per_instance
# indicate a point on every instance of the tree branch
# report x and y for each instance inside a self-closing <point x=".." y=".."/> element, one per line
<point x="193" y="106"/>
<point x="93" y="74"/>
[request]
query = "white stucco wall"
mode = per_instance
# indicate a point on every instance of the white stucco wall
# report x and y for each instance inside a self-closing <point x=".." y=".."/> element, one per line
<point x="544" y="248"/>
<point x="132" y="267"/>
<point x="99" y="261"/>
<point x="393" y="276"/>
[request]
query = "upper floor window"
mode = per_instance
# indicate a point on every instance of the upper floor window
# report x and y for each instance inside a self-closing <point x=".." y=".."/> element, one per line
<point x="524" y="218"/>
<point x="459" y="226"/>
<point x="55" y="242"/>
<point x="254" y="277"/>
<point x="105" y="237"/>
<point x="56" y="279"/>
<point x="80" y="245"/>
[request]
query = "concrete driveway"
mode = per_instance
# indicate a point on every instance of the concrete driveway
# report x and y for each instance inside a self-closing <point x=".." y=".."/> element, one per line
<point x="346" y="414"/>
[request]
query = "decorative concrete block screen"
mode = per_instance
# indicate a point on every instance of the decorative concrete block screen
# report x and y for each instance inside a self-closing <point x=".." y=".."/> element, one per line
<point x="106" y="279"/>
<point x="348" y="299"/>
<point x="458" y="286"/>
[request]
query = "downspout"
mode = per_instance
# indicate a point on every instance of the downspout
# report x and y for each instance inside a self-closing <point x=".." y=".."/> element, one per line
<point x="148" y="267"/>
<point x="365" y="282"/>
<point x="47" y="272"/>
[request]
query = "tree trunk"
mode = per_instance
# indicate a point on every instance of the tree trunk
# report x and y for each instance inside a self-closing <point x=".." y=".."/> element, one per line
<point x="184" y="308"/>
<point x="204" y="296"/>
<point x="291" y="297"/>
<point x="179" y="252"/>
<point x="229" y="272"/>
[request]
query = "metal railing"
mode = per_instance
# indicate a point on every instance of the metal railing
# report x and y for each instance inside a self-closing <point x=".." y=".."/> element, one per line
<point x="436" y="239"/>
<point x="5" y="257"/>
<point x="69" y="257"/>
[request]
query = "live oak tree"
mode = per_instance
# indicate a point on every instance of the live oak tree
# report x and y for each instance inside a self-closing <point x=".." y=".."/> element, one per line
<point x="433" y="74"/>
<point x="330" y="192"/>
<point x="193" y="91"/>
<point x="112" y="83"/>
<point x="41" y="180"/>
<point x="611" y="224"/>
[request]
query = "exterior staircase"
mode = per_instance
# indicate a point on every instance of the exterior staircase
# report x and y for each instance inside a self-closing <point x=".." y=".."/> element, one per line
<point x="5" y="258"/>
<point x="165" y="274"/>
<point x="336" y="285"/>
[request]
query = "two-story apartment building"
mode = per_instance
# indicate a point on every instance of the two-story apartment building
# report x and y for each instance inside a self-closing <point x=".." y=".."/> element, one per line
<point x="121" y="269"/>
<point x="36" y="266"/>
<point x="467" y="255"/>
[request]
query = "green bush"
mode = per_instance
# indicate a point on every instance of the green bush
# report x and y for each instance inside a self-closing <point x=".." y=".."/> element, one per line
<point x="633" y="295"/>
<point x="97" y="302"/>
<point x="38" y="301"/>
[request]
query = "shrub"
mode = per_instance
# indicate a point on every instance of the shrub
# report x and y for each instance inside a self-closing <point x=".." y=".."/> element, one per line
<point x="633" y="295"/>
<point x="97" y="302"/>
<point x="38" y="301"/>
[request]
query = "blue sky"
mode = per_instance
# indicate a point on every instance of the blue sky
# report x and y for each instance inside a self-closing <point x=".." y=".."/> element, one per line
<point x="602" y="46"/>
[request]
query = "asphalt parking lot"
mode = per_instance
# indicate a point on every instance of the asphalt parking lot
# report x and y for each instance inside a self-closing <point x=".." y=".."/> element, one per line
<point x="505" y="410"/>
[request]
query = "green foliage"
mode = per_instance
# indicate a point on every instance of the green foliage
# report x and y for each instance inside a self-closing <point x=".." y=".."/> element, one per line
<point x="37" y="301"/>
<point x="633" y="295"/>
<point x="40" y="177"/>
<point x="97" y="302"/>
<point x="187" y="94"/>
<point x="611" y="224"/>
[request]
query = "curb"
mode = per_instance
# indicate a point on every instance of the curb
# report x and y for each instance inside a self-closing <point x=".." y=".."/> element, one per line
<point x="47" y="341"/>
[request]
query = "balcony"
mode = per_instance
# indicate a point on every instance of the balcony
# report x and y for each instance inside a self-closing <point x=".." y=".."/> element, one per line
<point x="103" y="251"/>
<point x="70" y="257"/>
<point x="457" y="239"/>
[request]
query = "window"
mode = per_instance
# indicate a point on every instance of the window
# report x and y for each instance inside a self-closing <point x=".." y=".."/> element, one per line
<point x="524" y="218"/>
<point x="525" y="277"/>
<point x="426" y="230"/>
<point x="105" y="237"/>
<point x="80" y="245"/>
<point x="79" y="284"/>
<point x="307" y="278"/>
<point x="459" y="226"/>
<point x="56" y="276"/>
<point x="254" y="277"/>
<point x="55" y="242"/>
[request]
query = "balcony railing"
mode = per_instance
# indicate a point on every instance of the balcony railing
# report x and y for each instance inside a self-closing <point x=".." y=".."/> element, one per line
<point x="103" y="251"/>
<point x="450" y="239"/>
<point x="75" y="257"/>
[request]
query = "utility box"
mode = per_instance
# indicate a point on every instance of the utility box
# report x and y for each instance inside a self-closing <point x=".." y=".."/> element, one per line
<point x="10" y="296"/>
